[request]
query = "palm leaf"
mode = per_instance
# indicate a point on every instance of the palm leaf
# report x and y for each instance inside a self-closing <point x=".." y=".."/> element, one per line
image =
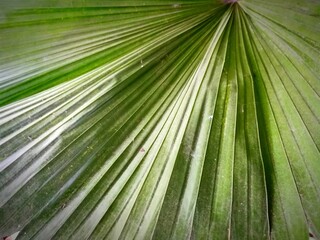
<point x="160" y="119"/>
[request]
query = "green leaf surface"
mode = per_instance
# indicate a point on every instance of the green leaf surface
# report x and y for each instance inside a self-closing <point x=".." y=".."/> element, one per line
<point x="160" y="119"/>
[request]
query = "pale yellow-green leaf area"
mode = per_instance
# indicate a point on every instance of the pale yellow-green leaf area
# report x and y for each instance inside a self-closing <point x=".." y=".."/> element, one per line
<point x="160" y="119"/>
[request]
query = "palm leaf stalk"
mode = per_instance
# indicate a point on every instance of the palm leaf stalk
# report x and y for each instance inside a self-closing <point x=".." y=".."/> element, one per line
<point x="160" y="119"/>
